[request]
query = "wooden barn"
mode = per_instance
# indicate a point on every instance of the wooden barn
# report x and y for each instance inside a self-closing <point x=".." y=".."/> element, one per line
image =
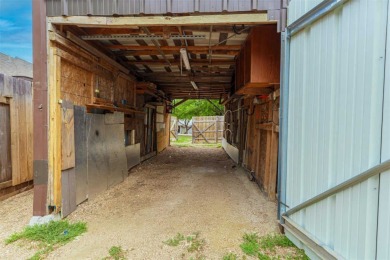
<point x="305" y="85"/>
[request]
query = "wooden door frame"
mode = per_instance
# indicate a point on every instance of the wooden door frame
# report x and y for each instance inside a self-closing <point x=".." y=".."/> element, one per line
<point x="9" y="101"/>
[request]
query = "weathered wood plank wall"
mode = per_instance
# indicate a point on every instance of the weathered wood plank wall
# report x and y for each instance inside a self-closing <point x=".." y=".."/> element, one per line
<point x="16" y="142"/>
<point x="78" y="77"/>
<point x="163" y="121"/>
<point x="261" y="148"/>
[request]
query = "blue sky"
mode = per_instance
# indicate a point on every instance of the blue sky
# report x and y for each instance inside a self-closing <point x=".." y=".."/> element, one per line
<point x="16" y="28"/>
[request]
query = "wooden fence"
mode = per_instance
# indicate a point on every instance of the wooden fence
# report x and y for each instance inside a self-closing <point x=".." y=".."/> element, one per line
<point x="16" y="128"/>
<point x="207" y="129"/>
<point x="173" y="128"/>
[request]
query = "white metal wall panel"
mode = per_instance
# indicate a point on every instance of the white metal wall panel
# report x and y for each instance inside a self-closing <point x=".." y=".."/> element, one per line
<point x="297" y="8"/>
<point x="335" y="122"/>
<point x="384" y="188"/>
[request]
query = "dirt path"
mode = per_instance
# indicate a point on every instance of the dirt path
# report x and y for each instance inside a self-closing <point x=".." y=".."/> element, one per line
<point x="183" y="190"/>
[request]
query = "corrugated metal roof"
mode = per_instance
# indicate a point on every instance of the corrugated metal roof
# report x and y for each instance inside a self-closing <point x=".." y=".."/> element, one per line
<point x="335" y="124"/>
<point x="135" y="7"/>
<point x="275" y="9"/>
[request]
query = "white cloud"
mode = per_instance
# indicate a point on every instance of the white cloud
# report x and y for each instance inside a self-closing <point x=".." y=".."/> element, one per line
<point x="15" y="46"/>
<point x="7" y="26"/>
<point x="9" y="5"/>
<point x="5" y="23"/>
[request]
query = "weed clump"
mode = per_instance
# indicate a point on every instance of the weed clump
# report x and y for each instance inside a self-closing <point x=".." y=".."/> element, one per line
<point x="230" y="256"/>
<point x="193" y="243"/>
<point x="250" y="246"/>
<point x="116" y="253"/>
<point x="175" y="241"/>
<point x="49" y="236"/>
<point x="265" y="247"/>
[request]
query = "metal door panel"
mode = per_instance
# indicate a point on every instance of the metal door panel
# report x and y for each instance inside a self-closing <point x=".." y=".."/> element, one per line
<point x="68" y="181"/>
<point x="81" y="154"/>
<point x="115" y="149"/>
<point x="133" y="154"/>
<point x="97" y="155"/>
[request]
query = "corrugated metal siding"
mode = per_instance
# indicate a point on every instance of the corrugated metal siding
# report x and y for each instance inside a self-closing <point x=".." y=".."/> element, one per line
<point x="335" y="121"/>
<point x="135" y="7"/>
<point x="384" y="190"/>
<point x="297" y="8"/>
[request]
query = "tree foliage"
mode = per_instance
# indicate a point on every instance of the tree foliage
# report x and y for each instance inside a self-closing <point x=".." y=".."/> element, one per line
<point x="197" y="107"/>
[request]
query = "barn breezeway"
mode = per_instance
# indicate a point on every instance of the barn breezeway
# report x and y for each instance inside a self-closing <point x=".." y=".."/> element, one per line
<point x="182" y="190"/>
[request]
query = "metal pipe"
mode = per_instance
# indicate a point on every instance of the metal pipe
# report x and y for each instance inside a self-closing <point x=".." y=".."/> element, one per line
<point x="283" y="119"/>
<point x="342" y="186"/>
<point x="314" y="15"/>
<point x="230" y="131"/>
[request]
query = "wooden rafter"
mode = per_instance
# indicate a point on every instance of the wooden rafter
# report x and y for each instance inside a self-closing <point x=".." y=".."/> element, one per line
<point x="197" y="20"/>
<point x="176" y="62"/>
<point x="180" y="102"/>
<point x="157" y="45"/>
<point x="217" y="108"/>
<point x="150" y="62"/>
<point x="175" y="48"/>
<point x="156" y="52"/>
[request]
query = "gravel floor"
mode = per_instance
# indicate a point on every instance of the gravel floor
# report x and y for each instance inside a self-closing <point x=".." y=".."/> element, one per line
<point x="183" y="190"/>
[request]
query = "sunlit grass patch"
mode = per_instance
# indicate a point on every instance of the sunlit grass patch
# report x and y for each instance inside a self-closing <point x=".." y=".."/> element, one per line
<point x="49" y="236"/>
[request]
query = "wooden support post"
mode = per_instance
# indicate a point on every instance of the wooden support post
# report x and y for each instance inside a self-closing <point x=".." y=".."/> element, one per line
<point x="216" y="130"/>
<point x="40" y="108"/>
<point x="273" y="165"/>
<point x="273" y="153"/>
<point x="55" y="124"/>
<point x="14" y="122"/>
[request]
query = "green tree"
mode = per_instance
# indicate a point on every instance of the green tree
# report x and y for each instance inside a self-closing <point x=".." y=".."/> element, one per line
<point x="196" y="107"/>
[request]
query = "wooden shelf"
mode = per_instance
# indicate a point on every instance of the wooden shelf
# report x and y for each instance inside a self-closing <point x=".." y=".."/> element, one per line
<point x="256" y="89"/>
<point x="112" y="109"/>
<point x="258" y="64"/>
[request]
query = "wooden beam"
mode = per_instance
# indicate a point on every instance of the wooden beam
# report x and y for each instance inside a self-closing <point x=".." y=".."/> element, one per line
<point x="218" y="62"/>
<point x="112" y="108"/>
<point x="212" y="68"/>
<point x="157" y="45"/>
<point x="186" y="74"/>
<point x="217" y="108"/>
<point x="203" y="49"/>
<point x="55" y="133"/>
<point x="5" y="184"/>
<point x="171" y="52"/>
<point x="156" y="80"/>
<point x="135" y="30"/>
<point x="125" y="22"/>
<point x="180" y="102"/>
<point x="95" y="52"/>
<point x="264" y="89"/>
<point x="195" y="95"/>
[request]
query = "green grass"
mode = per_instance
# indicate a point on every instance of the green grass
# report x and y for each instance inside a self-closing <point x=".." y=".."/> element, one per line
<point x="196" y="245"/>
<point x="116" y="253"/>
<point x="263" y="247"/>
<point x="49" y="236"/>
<point x="186" y="141"/>
<point x="193" y="243"/>
<point x="175" y="241"/>
<point x="230" y="256"/>
<point x="183" y="139"/>
<point x="250" y="246"/>
<point x="273" y="240"/>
